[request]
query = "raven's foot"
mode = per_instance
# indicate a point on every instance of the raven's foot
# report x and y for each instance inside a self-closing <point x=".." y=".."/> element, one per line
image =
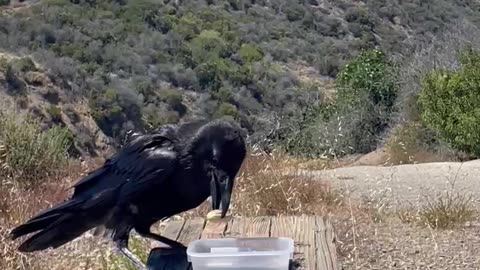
<point x="122" y="247"/>
<point x="168" y="258"/>
<point x="172" y="243"/>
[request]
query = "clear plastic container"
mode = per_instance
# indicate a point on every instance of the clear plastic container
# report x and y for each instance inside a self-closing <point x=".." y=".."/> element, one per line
<point x="241" y="253"/>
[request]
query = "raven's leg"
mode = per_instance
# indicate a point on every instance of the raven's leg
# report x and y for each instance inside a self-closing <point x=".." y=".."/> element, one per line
<point x="122" y="245"/>
<point x="145" y="232"/>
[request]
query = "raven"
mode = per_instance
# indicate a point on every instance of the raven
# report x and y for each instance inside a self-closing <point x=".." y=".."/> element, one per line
<point x="154" y="176"/>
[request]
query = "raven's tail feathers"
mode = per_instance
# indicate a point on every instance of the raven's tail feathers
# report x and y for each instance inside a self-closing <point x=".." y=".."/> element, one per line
<point x="65" y="229"/>
<point x="43" y="219"/>
<point x="65" y="222"/>
<point x="33" y="226"/>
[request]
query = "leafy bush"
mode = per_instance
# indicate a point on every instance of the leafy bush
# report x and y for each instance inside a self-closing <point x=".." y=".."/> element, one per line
<point x="3" y="64"/>
<point x="16" y="86"/>
<point x="174" y="99"/>
<point x="355" y="121"/>
<point x="227" y="109"/>
<point x="250" y="53"/>
<point x="366" y="91"/>
<point x="24" y="64"/>
<point x="208" y="45"/>
<point x="29" y="154"/>
<point x="295" y="12"/>
<point x="369" y="77"/>
<point x="55" y="113"/>
<point x="450" y="103"/>
<point x="117" y="111"/>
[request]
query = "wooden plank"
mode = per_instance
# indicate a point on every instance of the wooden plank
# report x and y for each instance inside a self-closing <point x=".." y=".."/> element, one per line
<point x="171" y="231"/>
<point x="215" y="229"/>
<point x="285" y="227"/>
<point x="325" y="245"/>
<point x="248" y="227"/>
<point x="235" y="227"/>
<point x="256" y="227"/>
<point x="192" y="230"/>
<point x="282" y="227"/>
<point x="305" y="237"/>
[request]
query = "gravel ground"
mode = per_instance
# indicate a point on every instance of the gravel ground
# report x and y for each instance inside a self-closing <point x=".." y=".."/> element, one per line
<point x="391" y="244"/>
<point x="406" y="184"/>
<point x="395" y="245"/>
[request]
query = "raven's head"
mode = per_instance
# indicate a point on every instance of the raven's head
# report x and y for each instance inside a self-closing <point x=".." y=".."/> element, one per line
<point x="220" y="146"/>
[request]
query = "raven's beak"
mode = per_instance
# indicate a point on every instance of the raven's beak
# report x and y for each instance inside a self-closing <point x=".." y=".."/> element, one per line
<point x="221" y="187"/>
<point x="214" y="192"/>
<point x="226" y="195"/>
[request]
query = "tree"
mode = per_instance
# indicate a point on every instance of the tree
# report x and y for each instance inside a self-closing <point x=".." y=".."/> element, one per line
<point x="450" y="103"/>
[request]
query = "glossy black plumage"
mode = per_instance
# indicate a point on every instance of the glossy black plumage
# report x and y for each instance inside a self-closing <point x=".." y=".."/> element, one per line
<point x="156" y="175"/>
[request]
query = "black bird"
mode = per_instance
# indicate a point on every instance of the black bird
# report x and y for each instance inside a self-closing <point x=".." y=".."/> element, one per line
<point x="154" y="176"/>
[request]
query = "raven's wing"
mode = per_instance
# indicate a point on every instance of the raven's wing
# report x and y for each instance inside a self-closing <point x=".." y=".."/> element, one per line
<point x="150" y="157"/>
<point x="145" y="163"/>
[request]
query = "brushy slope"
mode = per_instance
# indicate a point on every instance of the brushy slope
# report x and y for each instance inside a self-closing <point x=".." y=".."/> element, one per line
<point x="148" y="62"/>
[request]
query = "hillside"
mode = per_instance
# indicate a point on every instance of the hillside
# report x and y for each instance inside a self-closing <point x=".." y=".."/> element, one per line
<point x="139" y="64"/>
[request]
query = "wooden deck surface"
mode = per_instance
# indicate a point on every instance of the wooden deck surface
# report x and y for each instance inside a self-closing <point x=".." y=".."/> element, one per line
<point x="313" y="236"/>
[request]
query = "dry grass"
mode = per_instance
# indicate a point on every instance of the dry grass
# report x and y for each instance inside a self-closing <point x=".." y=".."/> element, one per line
<point x="18" y="203"/>
<point x="407" y="143"/>
<point x="264" y="188"/>
<point x="447" y="211"/>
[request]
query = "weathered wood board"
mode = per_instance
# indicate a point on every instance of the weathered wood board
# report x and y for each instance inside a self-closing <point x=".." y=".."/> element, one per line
<point x="313" y="236"/>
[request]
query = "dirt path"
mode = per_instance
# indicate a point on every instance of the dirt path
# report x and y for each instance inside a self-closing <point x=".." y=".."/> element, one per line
<point x="391" y="244"/>
<point x="406" y="183"/>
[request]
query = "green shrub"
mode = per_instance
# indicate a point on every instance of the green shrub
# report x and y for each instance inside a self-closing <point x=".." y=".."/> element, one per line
<point x="16" y="86"/>
<point x="366" y="92"/>
<point x="174" y="99"/>
<point x="370" y="76"/>
<point x="24" y="64"/>
<point x="250" y="53"/>
<point x="450" y="103"/>
<point x="3" y="64"/>
<point x="354" y="122"/>
<point x="116" y="111"/>
<point x="55" y="112"/>
<point x="4" y="2"/>
<point x="30" y="154"/>
<point x="208" y="45"/>
<point x="295" y="12"/>
<point x="188" y="26"/>
<point x="211" y="73"/>
<point x="226" y="109"/>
